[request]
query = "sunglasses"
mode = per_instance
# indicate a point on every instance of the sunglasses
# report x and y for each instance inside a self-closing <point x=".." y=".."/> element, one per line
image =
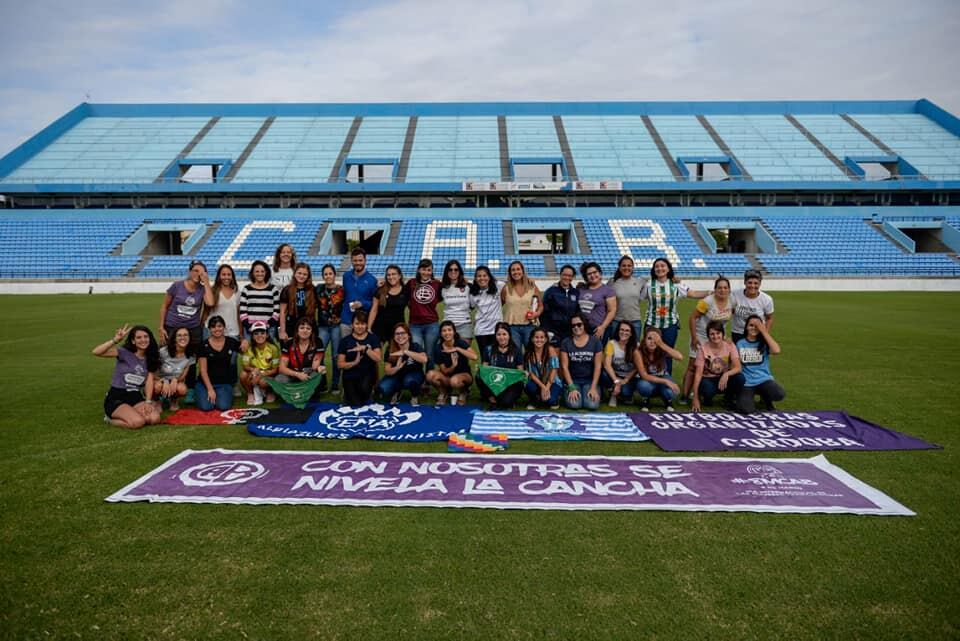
<point x="576" y="324"/>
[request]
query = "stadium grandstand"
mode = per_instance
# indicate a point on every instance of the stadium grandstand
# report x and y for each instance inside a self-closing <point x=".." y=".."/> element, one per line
<point x="861" y="190"/>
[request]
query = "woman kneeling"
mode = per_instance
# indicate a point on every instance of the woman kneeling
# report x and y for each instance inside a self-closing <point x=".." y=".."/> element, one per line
<point x="755" y="349"/>
<point x="452" y="355"/>
<point x="716" y="369"/>
<point x="138" y="359"/>
<point x="503" y="353"/>
<point x="652" y="363"/>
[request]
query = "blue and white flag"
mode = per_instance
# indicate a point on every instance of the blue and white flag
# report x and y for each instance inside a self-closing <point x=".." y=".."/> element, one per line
<point x="592" y="426"/>
<point x="378" y="422"/>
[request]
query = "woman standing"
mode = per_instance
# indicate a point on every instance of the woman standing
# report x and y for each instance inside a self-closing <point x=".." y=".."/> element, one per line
<point x="717" y="368"/>
<point x="619" y="364"/>
<point x="217" y="368"/>
<point x="452" y="356"/>
<point x="580" y="364"/>
<point x="664" y="295"/>
<point x="455" y="293"/>
<point x="652" y="360"/>
<point x="402" y="367"/>
<point x="129" y="402"/>
<point x="358" y="357"/>
<point x="297" y="300"/>
<point x="183" y="304"/>
<point x="560" y="302"/>
<point x="259" y="299"/>
<point x="260" y="362"/>
<point x="748" y="302"/>
<point x="521" y="303"/>
<point x="176" y="359"/>
<point x="226" y="300"/>
<point x="389" y="304"/>
<point x="597" y="301"/>
<point x="423" y="295"/>
<point x="629" y="292"/>
<point x="716" y="307"/>
<point x="507" y="355"/>
<point x="485" y="298"/>
<point x="284" y="260"/>
<point x="754" y="350"/>
<point x="542" y="364"/>
<point x="329" y="307"/>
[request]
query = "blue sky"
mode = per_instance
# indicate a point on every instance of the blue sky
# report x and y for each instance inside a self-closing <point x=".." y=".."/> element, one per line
<point x="56" y="55"/>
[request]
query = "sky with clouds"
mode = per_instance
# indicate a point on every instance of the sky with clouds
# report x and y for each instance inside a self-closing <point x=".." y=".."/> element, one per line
<point x="57" y="54"/>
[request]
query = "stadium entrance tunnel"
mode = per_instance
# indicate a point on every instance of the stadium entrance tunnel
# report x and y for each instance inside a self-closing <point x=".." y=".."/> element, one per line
<point x="736" y="237"/>
<point x="924" y="237"/>
<point x="163" y="239"/>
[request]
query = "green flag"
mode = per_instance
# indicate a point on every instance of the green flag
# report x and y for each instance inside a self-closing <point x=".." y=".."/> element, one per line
<point x="297" y="393"/>
<point x="500" y="378"/>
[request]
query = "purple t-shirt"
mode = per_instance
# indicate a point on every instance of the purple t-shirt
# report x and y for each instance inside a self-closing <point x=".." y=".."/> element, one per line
<point x="130" y="373"/>
<point x="185" y="308"/>
<point x="593" y="303"/>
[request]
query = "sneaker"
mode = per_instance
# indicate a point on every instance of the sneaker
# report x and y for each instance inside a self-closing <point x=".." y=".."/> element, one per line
<point x="257" y="396"/>
<point x="335" y="391"/>
<point x="414" y="401"/>
<point x="251" y="399"/>
<point x="684" y="400"/>
<point x="271" y="397"/>
<point x="613" y="401"/>
<point x="555" y="407"/>
<point x="106" y="419"/>
<point x="669" y="407"/>
<point x="531" y="407"/>
<point x="395" y="398"/>
<point x="644" y="404"/>
<point x="174" y="406"/>
<point x="644" y="409"/>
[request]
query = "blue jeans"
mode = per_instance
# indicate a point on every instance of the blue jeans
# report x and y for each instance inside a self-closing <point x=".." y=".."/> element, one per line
<point x="390" y="385"/>
<point x="533" y="393"/>
<point x="427" y="336"/>
<point x="224" y="392"/>
<point x="646" y="389"/>
<point x="708" y="389"/>
<point x="626" y="390"/>
<point x="585" y="402"/>
<point x="669" y="335"/>
<point x="331" y="342"/>
<point x="521" y="335"/>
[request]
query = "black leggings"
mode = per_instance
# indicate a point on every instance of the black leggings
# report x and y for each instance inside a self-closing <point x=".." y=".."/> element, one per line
<point x="357" y="391"/>
<point x="507" y="398"/>
<point x="769" y="391"/>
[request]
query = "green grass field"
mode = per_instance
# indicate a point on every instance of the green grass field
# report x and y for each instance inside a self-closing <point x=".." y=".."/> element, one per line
<point x="75" y="567"/>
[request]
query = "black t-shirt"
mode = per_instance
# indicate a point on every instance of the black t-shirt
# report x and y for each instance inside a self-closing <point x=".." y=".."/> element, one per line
<point x="510" y="360"/>
<point x="408" y="364"/>
<point x="366" y="367"/>
<point x="391" y="313"/>
<point x="221" y="366"/>
<point x="297" y="312"/>
<point x="441" y="357"/>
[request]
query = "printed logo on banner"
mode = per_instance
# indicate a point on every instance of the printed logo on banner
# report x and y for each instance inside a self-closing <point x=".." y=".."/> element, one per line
<point x="768" y="475"/>
<point x="222" y="473"/>
<point x="237" y="416"/>
<point x="554" y="423"/>
<point x="367" y="418"/>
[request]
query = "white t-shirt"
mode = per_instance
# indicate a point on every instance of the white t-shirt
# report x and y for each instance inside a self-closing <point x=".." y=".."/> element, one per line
<point x="456" y="304"/>
<point x="227" y="308"/>
<point x="744" y="308"/>
<point x="489" y="311"/>
<point x="281" y="277"/>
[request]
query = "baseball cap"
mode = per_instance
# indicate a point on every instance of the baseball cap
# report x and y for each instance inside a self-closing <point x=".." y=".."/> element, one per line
<point x="258" y="326"/>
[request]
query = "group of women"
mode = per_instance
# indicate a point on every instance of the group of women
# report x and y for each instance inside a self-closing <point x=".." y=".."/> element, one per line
<point x="574" y="343"/>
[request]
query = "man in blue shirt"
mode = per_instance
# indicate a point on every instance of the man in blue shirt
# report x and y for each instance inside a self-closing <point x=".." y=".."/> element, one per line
<point x="359" y="287"/>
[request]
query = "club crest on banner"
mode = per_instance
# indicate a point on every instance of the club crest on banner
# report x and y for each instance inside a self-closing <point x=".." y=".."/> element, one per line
<point x="554" y="423"/>
<point x="366" y="418"/>
<point x="244" y="415"/>
<point x="222" y="473"/>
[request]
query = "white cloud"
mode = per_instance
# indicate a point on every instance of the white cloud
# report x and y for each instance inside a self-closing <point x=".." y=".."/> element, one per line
<point x="413" y="50"/>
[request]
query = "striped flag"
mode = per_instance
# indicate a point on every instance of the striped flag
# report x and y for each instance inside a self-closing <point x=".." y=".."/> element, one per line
<point x="592" y="426"/>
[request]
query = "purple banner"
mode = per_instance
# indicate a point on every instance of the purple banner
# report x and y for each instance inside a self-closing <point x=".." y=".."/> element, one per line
<point x="771" y="431"/>
<point x="509" y="481"/>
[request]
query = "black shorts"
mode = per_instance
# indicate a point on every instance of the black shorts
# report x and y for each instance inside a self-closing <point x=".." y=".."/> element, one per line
<point x="117" y="397"/>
